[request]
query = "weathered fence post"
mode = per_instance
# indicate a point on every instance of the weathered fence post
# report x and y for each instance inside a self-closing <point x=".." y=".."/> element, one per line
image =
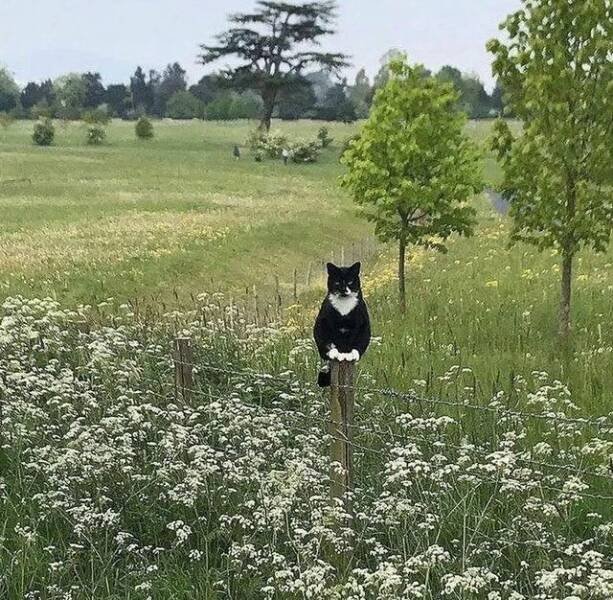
<point x="256" y="310"/>
<point x="341" y="430"/>
<point x="309" y="274"/>
<point x="278" y="295"/>
<point x="183" y="357"/>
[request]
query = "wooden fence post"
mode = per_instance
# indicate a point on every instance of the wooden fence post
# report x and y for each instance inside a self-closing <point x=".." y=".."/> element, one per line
<point x="278" y="295"/>
<point x="341" y="430"/>
<point x="256" y="310"/>
<point x="183" y="357"/>
<point x="308" y="276"/>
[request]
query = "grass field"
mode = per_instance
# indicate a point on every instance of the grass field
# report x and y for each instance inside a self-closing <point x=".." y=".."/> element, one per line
<point x="142" y="220"/>
<point x="113" y="487"/>
<point x="161" y="221"/>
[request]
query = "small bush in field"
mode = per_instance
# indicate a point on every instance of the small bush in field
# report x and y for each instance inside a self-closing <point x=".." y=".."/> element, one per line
<point x="270" y="144"/>
<point x="303" y="151"/>
<point x="274" y="143"/>
<point x="44" y="133"/>
<point x="323" y="135"/>
<point x="144" y="129"/>
<point x="96" y="135"/>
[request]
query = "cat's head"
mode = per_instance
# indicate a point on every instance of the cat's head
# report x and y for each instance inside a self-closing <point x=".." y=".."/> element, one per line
<point x="344" y="281"/>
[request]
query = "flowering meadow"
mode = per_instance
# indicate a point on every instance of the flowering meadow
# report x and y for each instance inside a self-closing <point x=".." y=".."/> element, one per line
<point x="482" y="447"/>
<point x="113" y="486"/>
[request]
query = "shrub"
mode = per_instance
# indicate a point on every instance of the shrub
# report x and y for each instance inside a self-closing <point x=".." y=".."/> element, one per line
<point x="303" y="151"/>
<point x="96" y="116"/>
<point x="144" y="129"/>
<point x="269" y="144"/>
<point x="273" y="143"/>
<point x="323" y="135"/>
<point x="44" y="132"/>
<point x="95" y="135"/>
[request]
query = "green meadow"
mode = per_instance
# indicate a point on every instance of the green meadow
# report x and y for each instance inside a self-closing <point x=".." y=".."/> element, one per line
<point x="165" y="218"/>
<point x="158" y="222"/>
<point x="114" y="486"/>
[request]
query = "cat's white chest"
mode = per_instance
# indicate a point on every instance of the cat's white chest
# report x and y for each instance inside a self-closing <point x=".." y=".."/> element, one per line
<point x="343" y="304"/>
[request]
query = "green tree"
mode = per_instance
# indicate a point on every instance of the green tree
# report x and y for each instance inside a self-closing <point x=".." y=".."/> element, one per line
<point x="220" y="109"/>
<point x="34" y="93"/>
<point x="117" y="97"/>
<point x="70" y="92"/>
<point x="9" y="91"/>
<point x="183" y="105"/>
<point x="360" y="94"/>
<point x="171" y="81"/>
<point x="139" y="92"/>
<point x="337" y="106"/>
<point x="247" y="105"/>
<point x="298" y="100"/>
<point x="94" y="90"/>
<point x="272" y="45"/>
<point x="497" y="99"/>
<point x="209" y="87"/>
<point x="473" y="99"/>
<point x="556" y="69"/>
<point x="412" y="169"/>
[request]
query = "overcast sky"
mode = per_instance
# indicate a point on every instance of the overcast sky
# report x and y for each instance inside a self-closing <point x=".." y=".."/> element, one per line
<point x="46" y="38"/>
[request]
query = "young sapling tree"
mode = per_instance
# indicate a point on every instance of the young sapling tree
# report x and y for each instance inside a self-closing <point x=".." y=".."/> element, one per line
<point x="412" y="170"/>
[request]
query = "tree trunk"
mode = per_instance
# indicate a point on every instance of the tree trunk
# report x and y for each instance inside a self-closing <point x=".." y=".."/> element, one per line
<point x="567" y="274"/>
<point x="269" y="97"/>
<point x="568" y="252"/>
<point x="401" y="279"/>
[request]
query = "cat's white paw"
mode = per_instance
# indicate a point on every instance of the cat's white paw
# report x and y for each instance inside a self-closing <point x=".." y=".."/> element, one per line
<point x="354" y="355"/>
<point x="333" y="354"/>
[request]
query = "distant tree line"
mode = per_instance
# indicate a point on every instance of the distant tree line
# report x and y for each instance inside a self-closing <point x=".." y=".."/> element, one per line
<point x="315" y="95"/>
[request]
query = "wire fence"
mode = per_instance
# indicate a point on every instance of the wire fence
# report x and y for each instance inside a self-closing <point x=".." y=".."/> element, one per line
<point x="389" y="439"/>
<point x="600" y="421"/>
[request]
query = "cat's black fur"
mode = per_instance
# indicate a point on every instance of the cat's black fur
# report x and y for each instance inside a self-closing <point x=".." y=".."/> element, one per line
<point x="334" y="330"/>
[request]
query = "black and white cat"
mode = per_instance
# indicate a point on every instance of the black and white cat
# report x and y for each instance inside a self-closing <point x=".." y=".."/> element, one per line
<point x="342" y="327"/>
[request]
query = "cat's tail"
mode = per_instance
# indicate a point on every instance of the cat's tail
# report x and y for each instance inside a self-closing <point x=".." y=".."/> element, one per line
<point x="324" y="377"/>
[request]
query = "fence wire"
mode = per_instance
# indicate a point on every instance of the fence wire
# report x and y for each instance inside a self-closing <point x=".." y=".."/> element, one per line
<point x="389" y="437"/>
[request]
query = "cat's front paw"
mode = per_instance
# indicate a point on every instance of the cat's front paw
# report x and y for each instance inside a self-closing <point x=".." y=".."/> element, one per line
<point x="334" y="354"/>
<point x="354" y="355"/>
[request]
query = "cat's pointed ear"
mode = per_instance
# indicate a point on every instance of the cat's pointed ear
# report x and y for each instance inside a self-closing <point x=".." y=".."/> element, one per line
<point x="355" y="269"/>
<point x="332" y="269"/>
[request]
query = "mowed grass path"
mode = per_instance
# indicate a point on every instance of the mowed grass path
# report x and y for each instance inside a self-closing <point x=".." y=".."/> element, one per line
<point x="176" y="215"/>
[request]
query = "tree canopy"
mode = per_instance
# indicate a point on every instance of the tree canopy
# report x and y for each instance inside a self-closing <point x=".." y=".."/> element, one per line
<point x="274" y="45"/>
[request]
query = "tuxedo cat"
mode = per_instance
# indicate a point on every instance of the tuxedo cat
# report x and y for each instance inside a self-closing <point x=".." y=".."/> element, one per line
<point x="342" y="327"/>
